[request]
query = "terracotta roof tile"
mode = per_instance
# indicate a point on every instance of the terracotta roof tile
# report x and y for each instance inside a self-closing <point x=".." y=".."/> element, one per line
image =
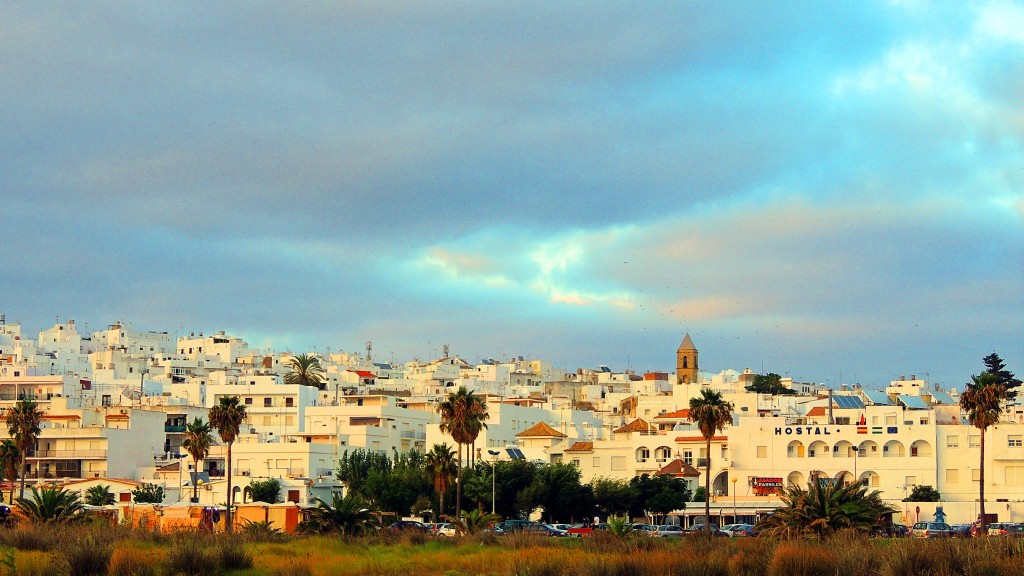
<point x="678" y="468"/>
<point x="817" y="411"/>
<point x="541" y="430"/>
<point x="638" y="425"/>
<point x="678" y="414"/>
<point x="581" y="447"/>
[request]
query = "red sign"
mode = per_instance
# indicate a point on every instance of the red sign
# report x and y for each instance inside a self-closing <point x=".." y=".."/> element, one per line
<point x="766" y="486"/>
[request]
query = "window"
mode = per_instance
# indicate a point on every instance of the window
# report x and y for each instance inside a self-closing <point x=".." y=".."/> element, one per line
<point x="248" y="401"/>
<point x="289" y="402"/>
<point x="1015" y="475"/>
<point x="952" y="441"/>
<point x="976" y="475"/>
<point x="1014" y="441"/>
<point x="266" y="420"/>
<point x="952" y="475"/>
<point x="974" y="440"/>
<point x="268" y="402"/>
<point x="642" y="455"/>
<point x="762" y="451"/>
<point x="576" y="463"/>
<point x="597" y="461"/>
<point x="874" y="420"/>
<point x="688" y="457"/>
<point x="618" y="463"/>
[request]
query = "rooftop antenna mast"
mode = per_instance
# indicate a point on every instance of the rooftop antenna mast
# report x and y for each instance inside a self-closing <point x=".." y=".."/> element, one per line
<point x="369" y="351"/>
<point x="445" y="351"/>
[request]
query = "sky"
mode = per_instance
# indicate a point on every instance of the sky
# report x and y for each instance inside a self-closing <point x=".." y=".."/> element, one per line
<point x="832" y="191"/>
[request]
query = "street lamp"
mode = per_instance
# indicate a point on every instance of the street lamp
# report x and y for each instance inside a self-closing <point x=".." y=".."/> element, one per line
<point x="734" y="519"/>
<point x="494" y="481"/>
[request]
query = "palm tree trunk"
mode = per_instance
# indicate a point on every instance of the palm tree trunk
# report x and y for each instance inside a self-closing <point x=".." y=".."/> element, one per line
<point x="981" y="486"/>
<point x="22" y="493"/>
<point x="227" y="515"/>
<point x="458" y="487"/>
<point x="440" y="515"/>
<point x="707" y="490"/>
<point x="195" y="484"/>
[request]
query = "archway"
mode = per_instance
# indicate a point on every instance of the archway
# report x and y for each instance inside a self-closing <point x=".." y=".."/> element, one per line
<point x="795" y="449"/>
<point x="795" y="478"/>
<point x="870" y="479"/>
<point x="920" y="448"/>
<point x="893" y="449"/>
<point x="818" y="449"/>
<point x="868" y="449"/>
<point x="843" y="449"/>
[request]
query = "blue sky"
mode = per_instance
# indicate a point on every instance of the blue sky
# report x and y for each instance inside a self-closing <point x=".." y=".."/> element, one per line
<point x="830" y="190"/>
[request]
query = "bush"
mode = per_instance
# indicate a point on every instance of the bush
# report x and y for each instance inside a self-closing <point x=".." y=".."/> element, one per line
<point x="88" y="556"/>
<point x="801" y="560"/>
<point x="28" y="536"/>
<point x="189" y="556"/>
<point x="231" y="555"/>
<point x="129" y="561"/>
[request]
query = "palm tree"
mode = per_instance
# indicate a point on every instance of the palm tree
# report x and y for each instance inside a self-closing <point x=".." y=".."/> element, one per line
<point x="982" y="400"/>
<point x="306" y="370"/>
<point x="440" y="464"/>
<point x="23" y="425"/>
<point x="227" y="417"/>
<point x="463" y="416"/>
<point x="823" y="508"/>
<point x="473" y="521"/>
<point x="51" y="505"/>
<point x="348" y="515"/>
<point x="99" y="495"/>
<point x="10" y="457"/>
<point x="711" y="413"/>
<point x="197" y="443"/>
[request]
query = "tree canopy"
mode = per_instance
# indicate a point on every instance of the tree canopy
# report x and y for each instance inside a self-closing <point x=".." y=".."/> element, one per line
<point x="770" y="383"/>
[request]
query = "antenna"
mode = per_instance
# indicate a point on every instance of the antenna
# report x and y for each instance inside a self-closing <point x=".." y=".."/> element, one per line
<point x="369" y="351"/>
<point x="445" y="349"/>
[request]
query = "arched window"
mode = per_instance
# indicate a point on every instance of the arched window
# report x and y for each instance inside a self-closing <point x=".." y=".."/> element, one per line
<point x="685" y="360"/>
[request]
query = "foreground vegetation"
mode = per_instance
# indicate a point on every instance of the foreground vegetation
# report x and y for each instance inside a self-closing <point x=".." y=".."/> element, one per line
<point x="83" y="549"/>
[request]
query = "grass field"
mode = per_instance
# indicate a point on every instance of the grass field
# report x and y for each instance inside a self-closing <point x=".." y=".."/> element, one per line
<point x="81" y="550"/>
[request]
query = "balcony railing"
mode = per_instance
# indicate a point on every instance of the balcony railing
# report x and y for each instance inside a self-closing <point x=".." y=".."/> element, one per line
<point x="66" y="454"/>
<point x="174" y="428"/>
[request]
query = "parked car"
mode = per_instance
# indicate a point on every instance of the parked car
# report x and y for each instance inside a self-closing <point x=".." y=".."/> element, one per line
<point x="931" y="530"/>
<point x="1003" y="528"/>
<point x="700" y="528"/>
<point x="962" y="530"/>
<point x="645" y="529"/>
<point x="667" y="531"/>
<point x="739" y="530"/>
<point x="408" y="526"/>
<point x="559" y="531"/>
<point x="441" y="529"/>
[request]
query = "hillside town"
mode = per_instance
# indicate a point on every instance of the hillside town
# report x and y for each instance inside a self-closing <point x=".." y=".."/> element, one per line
<point x="116" y="403"/>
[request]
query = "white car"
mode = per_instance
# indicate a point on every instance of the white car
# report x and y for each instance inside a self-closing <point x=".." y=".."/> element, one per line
<point x="442" y="529"/>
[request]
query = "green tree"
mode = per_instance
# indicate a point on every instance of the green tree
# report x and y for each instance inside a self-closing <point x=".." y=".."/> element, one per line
<point x="197" y="442"/>
<point x="227" y="417"/>
<point x="23" y="422"/>
<point x="923" y="493"/>
<point x="440" y="468"/>
<point x="982" y="400"/>
<point x="147" y="493"/>
<point x="770" y="383"/>
<point x="463" y="416"/>
<point x="658" y="495"/>
<point x="50" y="504"/>
<point x="268" y="490"/>
<point x="711" y="413"/>
<point x="354" y="469"/>
<point x="994" y="365"/>
<point x="305" y="370"/>
<point x="346" y="515"/>
<point x="700" y="494"/>
<point x="513" y="479"/>
<point x="477" y="484"/>
<point x="556" y="488"/>
<point x="99" y="495"/>
<point x="823" y="508"/>
<point x="613" y="496"/>
<point x="10" y="459"/>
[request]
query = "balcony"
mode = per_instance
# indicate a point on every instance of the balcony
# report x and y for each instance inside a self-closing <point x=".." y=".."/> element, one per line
<point x="414" y="435"/>
<point x="174" y="428"/>
<point x="67" y="454"/>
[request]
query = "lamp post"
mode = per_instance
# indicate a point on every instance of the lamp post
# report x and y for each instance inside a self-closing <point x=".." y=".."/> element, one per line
<point x="494" y="481"/>
<point x="734" y="519"/>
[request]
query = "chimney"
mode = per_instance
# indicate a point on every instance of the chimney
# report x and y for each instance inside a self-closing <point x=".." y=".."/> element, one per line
<point x="831" y="419"/>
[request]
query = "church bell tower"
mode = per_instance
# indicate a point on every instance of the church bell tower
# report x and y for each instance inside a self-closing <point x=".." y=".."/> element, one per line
<point x="686" y="362"/>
